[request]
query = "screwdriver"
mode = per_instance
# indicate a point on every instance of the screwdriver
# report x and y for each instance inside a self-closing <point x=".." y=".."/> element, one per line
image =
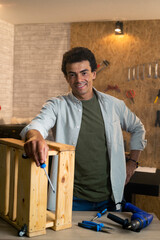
<point x="100" y="214"/>
<point x="42" y="165"/>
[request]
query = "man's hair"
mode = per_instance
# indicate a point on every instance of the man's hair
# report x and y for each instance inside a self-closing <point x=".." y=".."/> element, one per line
<point x="78" y="54"/>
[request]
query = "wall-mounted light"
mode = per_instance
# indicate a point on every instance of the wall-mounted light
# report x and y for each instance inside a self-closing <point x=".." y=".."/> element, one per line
<point x="119" y="28"/>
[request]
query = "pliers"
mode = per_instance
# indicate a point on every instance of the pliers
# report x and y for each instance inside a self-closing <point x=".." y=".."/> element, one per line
<point x="98" y="227"/>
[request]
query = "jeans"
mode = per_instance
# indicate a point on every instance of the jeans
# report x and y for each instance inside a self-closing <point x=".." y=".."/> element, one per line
<point x="84" y="205"/>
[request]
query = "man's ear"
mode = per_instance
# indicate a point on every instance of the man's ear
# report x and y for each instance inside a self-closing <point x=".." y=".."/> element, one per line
<point x="94" y="75"/>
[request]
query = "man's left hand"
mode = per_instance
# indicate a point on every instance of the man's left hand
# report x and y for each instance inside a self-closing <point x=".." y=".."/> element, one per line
<point x="130" y="169"/>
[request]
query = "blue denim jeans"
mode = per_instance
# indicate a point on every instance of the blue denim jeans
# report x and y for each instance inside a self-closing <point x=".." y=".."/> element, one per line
<point x="84" y="205"/>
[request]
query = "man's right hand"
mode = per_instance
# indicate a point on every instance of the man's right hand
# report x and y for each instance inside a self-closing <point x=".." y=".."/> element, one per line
<point x="36" y="147"/>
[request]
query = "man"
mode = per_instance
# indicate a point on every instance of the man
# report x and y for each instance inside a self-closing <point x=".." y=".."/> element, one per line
<point x="93" y="122"/>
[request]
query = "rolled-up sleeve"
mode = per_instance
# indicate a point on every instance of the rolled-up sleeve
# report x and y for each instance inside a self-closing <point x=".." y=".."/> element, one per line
<point x="44" y="121"/>
<point x="132" y="124"/>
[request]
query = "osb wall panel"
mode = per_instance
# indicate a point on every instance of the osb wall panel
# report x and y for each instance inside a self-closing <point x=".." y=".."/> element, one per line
<point x="139" y="45"/>
<point x="148" y="203"/>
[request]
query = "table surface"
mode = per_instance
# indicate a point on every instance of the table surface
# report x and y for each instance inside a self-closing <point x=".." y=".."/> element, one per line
<point x="7" y="232"/>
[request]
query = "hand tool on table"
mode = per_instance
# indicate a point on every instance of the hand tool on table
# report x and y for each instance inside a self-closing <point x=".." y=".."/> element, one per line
<point x="139" y="220"/>
<point x="102" y="65"/>
<point x="100" y="214"/>
<point x="22" y="231"/>
<point x="158" y="96"/>
<point x="131" y="94"/>
<point x="98" y="227"/>
<point x="43" y="166"/>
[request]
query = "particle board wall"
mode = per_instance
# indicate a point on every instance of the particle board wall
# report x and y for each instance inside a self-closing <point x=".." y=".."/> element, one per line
<point x="139" y="45"/>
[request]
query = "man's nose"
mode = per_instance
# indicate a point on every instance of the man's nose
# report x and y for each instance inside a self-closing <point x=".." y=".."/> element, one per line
<point x="79" y="77"/>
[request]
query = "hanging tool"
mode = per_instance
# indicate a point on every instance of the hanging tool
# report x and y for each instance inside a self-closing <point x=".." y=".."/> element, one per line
<point x="98" y="227"/>
<point x="149" y="70"/>
<point x="133" y="73"/>
<point x="143" y="72"/>
<point x="156" y="71"/>
<point x="110" y="87"/>
<point x="102" y="65"/>
<point x="139" y="220"/>
<point x="157" y="119"/>
<point x="100" y="214"/>
<point x="131" y="94"/>
<point x="43" y="166"/>
<point x="158" y="96"/>
<point x="137" y="72"/>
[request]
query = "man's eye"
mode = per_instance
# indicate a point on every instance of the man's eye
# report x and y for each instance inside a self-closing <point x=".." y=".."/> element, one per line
<point x="71" y="75"/>
<point x="84" y="73"/>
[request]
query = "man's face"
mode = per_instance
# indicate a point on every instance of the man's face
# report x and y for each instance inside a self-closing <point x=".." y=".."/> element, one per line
<point x="80" y="79"/>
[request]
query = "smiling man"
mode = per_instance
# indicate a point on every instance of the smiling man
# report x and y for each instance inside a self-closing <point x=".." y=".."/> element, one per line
<point x="93" y="122"/>
<point x="80" y="78"/>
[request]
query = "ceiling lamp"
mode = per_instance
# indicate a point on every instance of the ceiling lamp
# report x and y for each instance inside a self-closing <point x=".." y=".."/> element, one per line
<point x="119" y="28"/>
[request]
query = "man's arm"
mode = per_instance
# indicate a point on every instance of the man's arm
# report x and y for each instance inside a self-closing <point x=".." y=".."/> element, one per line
<point x="131" y="164"/>
<point x="36" y="147"/>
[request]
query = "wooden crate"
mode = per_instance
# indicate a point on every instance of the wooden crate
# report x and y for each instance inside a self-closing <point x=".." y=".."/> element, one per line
<point x="23" y="188"/>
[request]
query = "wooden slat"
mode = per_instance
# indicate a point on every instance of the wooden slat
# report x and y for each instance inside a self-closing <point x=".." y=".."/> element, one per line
<point x="13" y="184"/>
<point x="64" y="191"/>
<point x="60" y="146"/>
<point x="52" y="145"/>
<point x="50" y="219"/>
<point x="32" y="196"/>
<point x="4" y="178"/>
<point x="52" y="153"/>
<point x="12" y="142"/>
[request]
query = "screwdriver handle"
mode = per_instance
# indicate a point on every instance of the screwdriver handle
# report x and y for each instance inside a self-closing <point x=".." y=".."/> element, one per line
<point x="102" y="213"/>
<point x="42" y="165"/>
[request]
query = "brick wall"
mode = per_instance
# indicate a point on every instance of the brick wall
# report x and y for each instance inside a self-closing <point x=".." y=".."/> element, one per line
<point x="6" y="71"/>
<point x="38" y="50"/>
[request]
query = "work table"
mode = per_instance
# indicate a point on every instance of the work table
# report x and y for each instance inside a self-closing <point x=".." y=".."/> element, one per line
<point x="75" y="233"/>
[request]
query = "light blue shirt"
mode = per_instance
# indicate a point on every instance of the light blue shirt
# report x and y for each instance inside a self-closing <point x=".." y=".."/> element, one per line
<point x="63" y="115"/>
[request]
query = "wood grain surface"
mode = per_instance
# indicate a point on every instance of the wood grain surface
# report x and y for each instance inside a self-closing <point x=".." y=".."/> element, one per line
<point x="139" y="45"/>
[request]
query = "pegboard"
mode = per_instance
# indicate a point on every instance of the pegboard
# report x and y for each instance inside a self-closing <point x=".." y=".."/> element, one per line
<point x="139" y="45"/>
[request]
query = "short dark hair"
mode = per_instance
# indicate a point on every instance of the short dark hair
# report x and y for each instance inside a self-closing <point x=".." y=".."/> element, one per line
<point x="78" y="54"/>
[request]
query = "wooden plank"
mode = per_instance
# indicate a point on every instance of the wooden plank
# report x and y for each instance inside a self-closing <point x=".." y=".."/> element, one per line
<point x="4" y="178"/>
<point x="50" y="219"/>
<point x="12" y="142"/>
<point x="63" y="217"/>
<point x="13" y="184"/>
<point x="52" y="153"/>
<point x="53" y="145"/>
<point x="60" y="146"/>
<point x="32" y="196"/>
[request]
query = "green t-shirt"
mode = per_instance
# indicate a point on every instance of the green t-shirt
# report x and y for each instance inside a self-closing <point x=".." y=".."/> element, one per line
<point x="92" y="178"/>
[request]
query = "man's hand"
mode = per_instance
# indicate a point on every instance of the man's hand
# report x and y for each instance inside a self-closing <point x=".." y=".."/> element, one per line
<point x="130" y="168"/>
<point x="36" y="147"/>
<point x="131" y="165"/>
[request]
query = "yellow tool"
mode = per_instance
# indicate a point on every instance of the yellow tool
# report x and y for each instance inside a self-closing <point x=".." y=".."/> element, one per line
<point x="158" y="95"/>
